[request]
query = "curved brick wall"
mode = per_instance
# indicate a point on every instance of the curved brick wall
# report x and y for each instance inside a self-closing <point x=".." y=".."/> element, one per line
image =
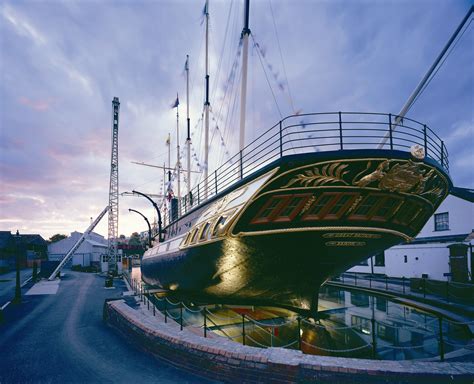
<point x="224" y="360"/>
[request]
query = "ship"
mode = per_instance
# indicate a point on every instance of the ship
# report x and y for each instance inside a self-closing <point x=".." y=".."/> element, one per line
<point x="314" y="195"/>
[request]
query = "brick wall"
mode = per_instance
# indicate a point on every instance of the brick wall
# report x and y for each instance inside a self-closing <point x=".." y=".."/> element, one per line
<point x="223" y="360"/>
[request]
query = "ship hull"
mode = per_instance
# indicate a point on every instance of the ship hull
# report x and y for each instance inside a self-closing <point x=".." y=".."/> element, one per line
<point x="275" y="238"/>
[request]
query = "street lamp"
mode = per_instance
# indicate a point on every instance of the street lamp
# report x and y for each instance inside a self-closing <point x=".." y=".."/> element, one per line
<point x="149" y="226"/>
<point x="160" y="229"/>
<point x="17" y="298"/>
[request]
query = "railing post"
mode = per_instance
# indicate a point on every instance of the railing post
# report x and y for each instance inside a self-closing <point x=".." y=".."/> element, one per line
<point x="241" y="166"/>
<point x="442" y="153"/>
<point x="215" y="176"/>
<point x="166" y="310"/>
<point x="243" y="328"/>
<point x="424" y="287"/>
<point x="281" y="141"/>
<point x="299" y="333"/>
<point x="154" y="309"/>
<point x="390" y="130"/>
<point x="205" y="322"/>
<point x="386" y="283"/>
<point x="370" y="281"/>
<point x="403" y="283"/>
<point x="180" y="315"/>
<point x="340" y="131"/>
<point x="447" y="291"/>
<point x="355" y="279"/>
<point x="374" y="340"/>
<point x="342" y="278"/>
<point x="148" y="301"/>
<point x="425" y="141"/>
<point x="198" y="193"/>
<point x="441" y="340"/>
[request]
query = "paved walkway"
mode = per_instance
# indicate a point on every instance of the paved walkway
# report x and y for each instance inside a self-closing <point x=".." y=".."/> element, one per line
<point x="61" y="338"/>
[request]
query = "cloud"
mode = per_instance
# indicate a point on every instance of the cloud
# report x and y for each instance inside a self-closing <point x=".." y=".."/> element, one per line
<point x="38" y="105"/>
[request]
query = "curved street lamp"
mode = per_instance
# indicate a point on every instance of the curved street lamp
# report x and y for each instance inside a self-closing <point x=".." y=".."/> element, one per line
<point x="149" y="226"/>
<point x="160" y="229"/>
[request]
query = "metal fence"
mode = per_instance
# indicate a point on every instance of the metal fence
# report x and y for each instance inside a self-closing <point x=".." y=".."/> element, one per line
<point x="440" y="335"/>
<point x="319" y="132"/>
<point x="448" y="291"/>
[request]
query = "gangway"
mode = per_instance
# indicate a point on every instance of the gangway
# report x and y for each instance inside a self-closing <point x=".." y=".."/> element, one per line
<point x="78" y="244"/>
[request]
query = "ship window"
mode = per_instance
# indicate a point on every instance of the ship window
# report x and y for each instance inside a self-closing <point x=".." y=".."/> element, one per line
<point x="217" y="225"/>
<point x="386" y="208"/>
<point x="292" y="208"/>
<point x="204" y="231"/>
<point x="441" y="221"/>
<point x="316" y="210"/>
<point x="186" y="239"/>
<point x="407" y="212"/>
<point x="270" y="209"/>
<point x="338" y="209"/>
<point x="366" y="205"/>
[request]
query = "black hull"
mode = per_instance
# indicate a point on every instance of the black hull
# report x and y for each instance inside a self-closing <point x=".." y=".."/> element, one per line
<point x="274" y="238"/>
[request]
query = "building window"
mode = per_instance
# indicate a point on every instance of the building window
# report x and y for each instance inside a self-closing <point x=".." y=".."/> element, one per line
<point x="441" y="221"/>
<point x="380" y="259"/>
<point x="364" y="262"/>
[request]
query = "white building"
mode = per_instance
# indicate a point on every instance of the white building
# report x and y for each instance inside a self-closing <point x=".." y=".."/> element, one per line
<point x="441" y="251"/>
<point x="89" y="252"/>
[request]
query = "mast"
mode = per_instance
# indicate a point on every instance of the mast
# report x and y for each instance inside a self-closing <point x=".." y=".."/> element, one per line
<point x="206" y="105"/>
<point x="188" y="139"/>
<point x="178" y="164"/>
<point x="245" y="56"/>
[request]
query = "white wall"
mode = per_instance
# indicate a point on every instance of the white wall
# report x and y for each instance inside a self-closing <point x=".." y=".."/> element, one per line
<point x="85" y="254"/>
<point x="461" y="218"/>
<point x="431" y="259"/>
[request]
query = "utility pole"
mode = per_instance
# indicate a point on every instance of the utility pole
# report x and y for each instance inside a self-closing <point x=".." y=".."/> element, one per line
<point x="113" y="191"/>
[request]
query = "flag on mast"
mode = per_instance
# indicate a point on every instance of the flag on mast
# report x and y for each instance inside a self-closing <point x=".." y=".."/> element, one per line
<point x="176" y="103"/>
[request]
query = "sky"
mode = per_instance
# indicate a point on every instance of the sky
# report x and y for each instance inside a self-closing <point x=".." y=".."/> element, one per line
<point x="62" y="62"/>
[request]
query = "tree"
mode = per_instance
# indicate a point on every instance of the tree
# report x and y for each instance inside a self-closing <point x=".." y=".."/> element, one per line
<point x="57" y="237"/>
<point x="134" y="240"/>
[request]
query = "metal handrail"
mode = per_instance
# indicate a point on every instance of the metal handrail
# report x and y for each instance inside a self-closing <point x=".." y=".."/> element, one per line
<point x="334" y="131"/>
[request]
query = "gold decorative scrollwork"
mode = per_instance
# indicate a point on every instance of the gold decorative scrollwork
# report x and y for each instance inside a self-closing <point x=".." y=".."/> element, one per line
<point x="328" y="174"/>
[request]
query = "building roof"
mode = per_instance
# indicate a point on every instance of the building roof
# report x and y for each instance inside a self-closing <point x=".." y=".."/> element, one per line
<point x="463" y="193"/>
<point x="96" y="244"/>
<point x="441" y="239"/>
<point x="33" y="239"/>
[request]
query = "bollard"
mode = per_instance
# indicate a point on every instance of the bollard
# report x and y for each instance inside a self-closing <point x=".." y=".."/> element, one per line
<point x="374" y="340"/>
<point x="299" y="333"/>
<point x="441" y="341"/>
<point x="180" y="315"/>
<point x="205" y="322"/>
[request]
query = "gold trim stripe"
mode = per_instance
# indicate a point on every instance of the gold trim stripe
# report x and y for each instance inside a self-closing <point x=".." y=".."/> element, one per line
<point x="329" y="229"/>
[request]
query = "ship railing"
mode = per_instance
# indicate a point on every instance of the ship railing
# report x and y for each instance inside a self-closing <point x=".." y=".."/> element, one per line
<point x="437" y="335"/>
<point x="319" y="132"/>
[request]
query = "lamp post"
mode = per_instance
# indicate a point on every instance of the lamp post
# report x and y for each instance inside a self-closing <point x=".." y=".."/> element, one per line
<point x="149" y="226"/>
<point x="17" y="298"/>
<point x="160" y="229"/>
